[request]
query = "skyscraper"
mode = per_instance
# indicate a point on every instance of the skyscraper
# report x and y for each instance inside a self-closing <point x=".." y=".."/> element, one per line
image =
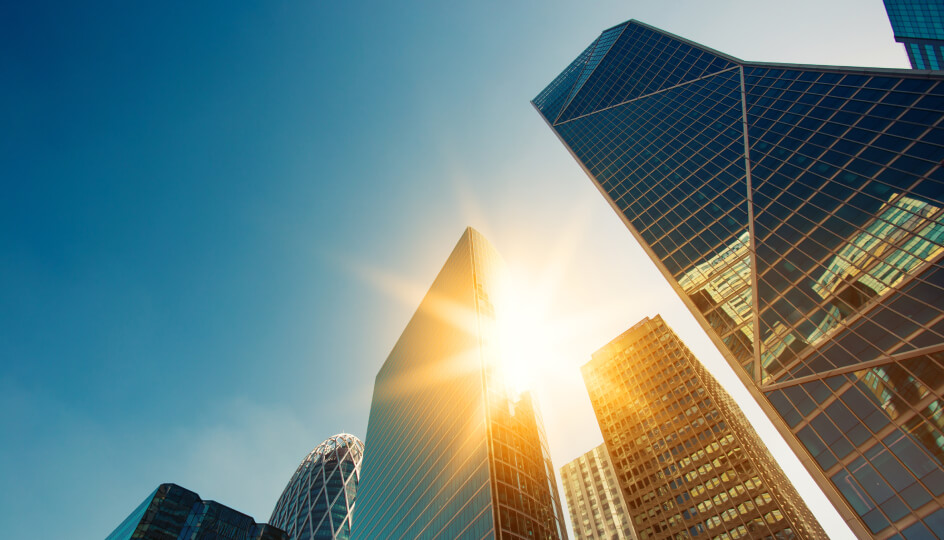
<point x="450" y="452"/>
<point x="171" y="512"/>
<point x="919" y="26"/>
<point x="797" y="211"/>
<point x="318" y="502"/>
<point x="594" y="498"/>
<point x="687" y="460"/>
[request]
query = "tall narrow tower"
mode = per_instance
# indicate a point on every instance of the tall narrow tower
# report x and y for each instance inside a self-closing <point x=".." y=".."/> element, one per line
<point x="798" y="211"/>
<point x="594" y="498"/>
<point x="450" y="452"/>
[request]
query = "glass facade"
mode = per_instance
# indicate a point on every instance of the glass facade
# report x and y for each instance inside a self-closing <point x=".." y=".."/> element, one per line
<point x="797" y="210"/>
<point x="919" y="26"/>
<point x="318" y="502"/>
<point x="687" y="460"/>
<point x="594" y="498"/>
<point x="451" y="453"/>
<point x="174" y="513"/>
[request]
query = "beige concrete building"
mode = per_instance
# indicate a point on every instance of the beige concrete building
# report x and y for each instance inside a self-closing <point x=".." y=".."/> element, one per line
<point x="597" y="510"/>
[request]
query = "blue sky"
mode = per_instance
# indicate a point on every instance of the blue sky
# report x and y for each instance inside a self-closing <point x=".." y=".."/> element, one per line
<point x="218" y="217"/>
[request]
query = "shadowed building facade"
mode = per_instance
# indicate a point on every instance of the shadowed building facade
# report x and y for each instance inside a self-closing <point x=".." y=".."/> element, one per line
<point x="171" y="512"/>
<point x="797" y="211"/>
<point x="450" y="452"/>
<point x="318" y="501"/>
<point x="594" y="498"/>
<point x="687" y="460"/>
<point x="919" y="26"/>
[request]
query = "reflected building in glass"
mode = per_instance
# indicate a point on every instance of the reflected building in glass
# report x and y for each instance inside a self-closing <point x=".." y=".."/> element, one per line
<point x="594" y="498"/>
<point x="318" y="502"/>
<point x="687" y="461"/>
<point x="452" y="452"/>
<point x="171" y="512"/>
<point x="797" y="211"/>
<point x="919" y="26"/>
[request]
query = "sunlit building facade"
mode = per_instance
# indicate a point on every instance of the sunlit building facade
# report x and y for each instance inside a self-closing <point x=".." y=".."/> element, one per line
<point x="171" y="512"/>
<point x="797" y="211"/>
<point x="594" y="498"/>
<point x="687" y="460"/>
<point x="919" y="26"/>
<point x="318" y="502"/>
<point x="451" y="451"/>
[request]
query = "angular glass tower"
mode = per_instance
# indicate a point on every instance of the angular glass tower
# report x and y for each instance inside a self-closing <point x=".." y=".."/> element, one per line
<point x="318" y="502"/>
<point x="919" y="26"/>
<point x="688" y="462"/>
<point x="450" y="452"/>
<point x="797" y="211"/>
<point x="171" y="512"/>
<point x="594" y="498"/>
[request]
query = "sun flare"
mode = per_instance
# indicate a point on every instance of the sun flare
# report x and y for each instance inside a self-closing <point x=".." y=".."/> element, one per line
<point x="525" y="342"/>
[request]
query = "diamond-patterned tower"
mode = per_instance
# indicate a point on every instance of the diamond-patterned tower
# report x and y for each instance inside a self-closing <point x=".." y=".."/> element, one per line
<point x="318" y="501"/>
<point x="797" y="211"/>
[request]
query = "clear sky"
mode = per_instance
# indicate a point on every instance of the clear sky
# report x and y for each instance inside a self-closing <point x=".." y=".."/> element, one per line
<point x="217" y="217"/>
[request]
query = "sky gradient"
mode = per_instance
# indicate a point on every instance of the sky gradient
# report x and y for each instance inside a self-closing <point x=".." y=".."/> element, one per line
<point x="217" y="219"/>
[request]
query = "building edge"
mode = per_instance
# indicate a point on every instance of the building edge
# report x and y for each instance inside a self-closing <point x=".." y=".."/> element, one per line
<point x="848" y="515"/>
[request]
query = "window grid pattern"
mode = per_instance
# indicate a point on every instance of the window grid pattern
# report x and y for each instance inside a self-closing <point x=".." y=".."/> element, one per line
<point x="600" y="48"/>
<point x="426" y="472"/>
<point x="683" y="181"/>
<point x="528" y="500"/>
<point x="318" y="501"/>
<point x="893" y="413"/>
<point x="919" y="26"/>
<point x="641" y="62"/>
<point x="686" y="459"/>
<point x="845" y="260"/>
<point x="172" y="512"/>
<point x="847" y="197"/>
<point x="597" y="509"/>
<point x="552" y="98"/>
<point x="451" y="455"/>
<point x="924" y="55"/>
<point x="922" y="19"/>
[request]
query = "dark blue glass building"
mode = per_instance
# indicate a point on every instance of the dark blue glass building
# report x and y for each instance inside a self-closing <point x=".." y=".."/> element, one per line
<point x="919" y="26"/>
<point x="799" y="212"/>
<point x="174" y="513"/>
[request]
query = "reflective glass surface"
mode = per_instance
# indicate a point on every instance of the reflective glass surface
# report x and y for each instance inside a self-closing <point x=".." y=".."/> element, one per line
<point x="916" y="18"/>
<point x="174" y="513"/>
<point x="919" y="26"/>
<point x="844" y="213"/>
<point x="799" y="212"/>
<point x="318" y="502"/>
<point x="449" y="453"/>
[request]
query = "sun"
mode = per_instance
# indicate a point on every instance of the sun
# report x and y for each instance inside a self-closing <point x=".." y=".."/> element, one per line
<point x="525" y="345"/>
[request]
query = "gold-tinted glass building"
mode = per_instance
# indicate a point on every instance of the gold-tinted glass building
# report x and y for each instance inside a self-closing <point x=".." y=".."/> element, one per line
<point x="687" y="460"/>
<point x="451" y="452"/>
<point x="594" y="498"/>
